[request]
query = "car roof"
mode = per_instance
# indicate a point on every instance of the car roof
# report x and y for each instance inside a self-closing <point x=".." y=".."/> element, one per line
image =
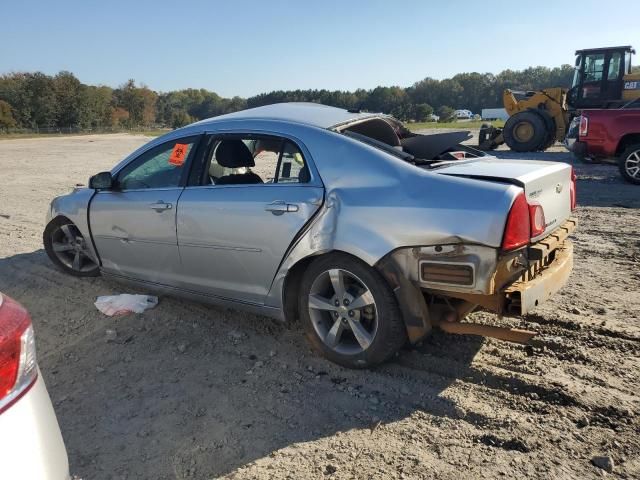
<point x="605" y="49"/>
<point x="313" y="114"/>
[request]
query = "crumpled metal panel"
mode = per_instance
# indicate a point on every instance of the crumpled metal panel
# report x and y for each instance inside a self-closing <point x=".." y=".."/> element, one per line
<point x="74" y="206"/>
<point x="376" y="203"/>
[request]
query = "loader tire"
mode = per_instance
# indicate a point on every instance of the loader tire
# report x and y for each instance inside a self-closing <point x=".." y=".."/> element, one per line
<point x="550" y="125"/>
<point x="525" y="132"/>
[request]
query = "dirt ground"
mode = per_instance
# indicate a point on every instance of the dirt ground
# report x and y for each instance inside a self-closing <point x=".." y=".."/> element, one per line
<point x="188" y="391"/>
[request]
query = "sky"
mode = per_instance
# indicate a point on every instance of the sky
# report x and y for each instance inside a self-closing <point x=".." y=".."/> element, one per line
<point x="246" y="47"/>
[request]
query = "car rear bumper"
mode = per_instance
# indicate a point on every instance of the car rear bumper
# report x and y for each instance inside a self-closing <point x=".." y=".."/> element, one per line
<point x="31" y="445"/>
<point x="526" y="278"/>
<point x="514" y="283"/>
<point x="524" y="296"/>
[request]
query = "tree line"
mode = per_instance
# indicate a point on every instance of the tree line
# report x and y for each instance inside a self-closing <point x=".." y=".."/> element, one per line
<point x="36" y="100"/>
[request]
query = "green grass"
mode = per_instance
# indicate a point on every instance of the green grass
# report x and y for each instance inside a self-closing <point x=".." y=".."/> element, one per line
<point x="152" y="133"/>
<point x="459" y="125"/>
<point x="27" y="135"/>
<point x="13" y="136"/>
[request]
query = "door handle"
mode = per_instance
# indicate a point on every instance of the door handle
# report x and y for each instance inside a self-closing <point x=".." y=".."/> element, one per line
<point x="279" y="207"/>
<point x="160" y="206"/>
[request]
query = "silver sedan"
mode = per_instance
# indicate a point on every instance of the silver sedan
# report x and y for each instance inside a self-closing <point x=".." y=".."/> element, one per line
<point x="368" y="233"/>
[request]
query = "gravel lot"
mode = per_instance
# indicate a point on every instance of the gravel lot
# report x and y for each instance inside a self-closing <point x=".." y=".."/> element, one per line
<point x="191" y="391"/>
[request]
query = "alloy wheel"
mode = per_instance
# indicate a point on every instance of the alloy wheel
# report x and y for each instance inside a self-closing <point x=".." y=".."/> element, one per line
<point x="632" y="164"/>
<point x="70" y="247"/>
<point x="343" y="311"/>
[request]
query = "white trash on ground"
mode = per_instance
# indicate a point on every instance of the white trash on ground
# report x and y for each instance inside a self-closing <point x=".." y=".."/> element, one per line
<point x="125" y="303"/>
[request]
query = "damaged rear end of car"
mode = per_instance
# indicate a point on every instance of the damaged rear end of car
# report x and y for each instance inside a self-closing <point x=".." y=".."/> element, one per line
<point x="439" y="283"/>
<point x="535" y="258"/>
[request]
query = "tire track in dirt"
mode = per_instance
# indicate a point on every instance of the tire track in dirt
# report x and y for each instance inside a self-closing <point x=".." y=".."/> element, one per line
<point x="505" y="383"/>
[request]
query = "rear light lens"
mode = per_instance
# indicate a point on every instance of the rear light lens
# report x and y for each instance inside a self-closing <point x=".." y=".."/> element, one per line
<point x="583" y="129"/>
<point x="518" y="229"/>
<point x="574" y="201"/>
<point x="536" y="217"/>
<point x="18" y="367"/>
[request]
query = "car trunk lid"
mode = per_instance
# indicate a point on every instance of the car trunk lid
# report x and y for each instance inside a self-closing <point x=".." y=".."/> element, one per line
<point x="545" y="183"/>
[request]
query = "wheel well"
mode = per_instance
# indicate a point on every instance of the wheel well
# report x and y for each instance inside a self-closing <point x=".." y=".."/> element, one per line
<point x="293" y="280"/>
<point x="628" y="139"/>
<point x="58" y="218"/>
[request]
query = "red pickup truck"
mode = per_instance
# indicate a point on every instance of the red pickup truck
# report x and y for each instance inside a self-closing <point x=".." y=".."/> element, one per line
<point x="614" y="133"/>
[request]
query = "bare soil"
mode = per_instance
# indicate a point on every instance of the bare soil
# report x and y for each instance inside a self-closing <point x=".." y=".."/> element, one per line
<point x="191" y="391"/>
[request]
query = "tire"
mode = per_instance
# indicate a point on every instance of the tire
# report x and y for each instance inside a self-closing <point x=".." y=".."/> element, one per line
<point x="63" y="242"/>
<point x="525" y="132"/>
<point x="485" y="132"/>
<point x="629" y="164"/>
<point x="381" y="320"/>
<point x="550" y="126"/>
<point x="487" y="137"/>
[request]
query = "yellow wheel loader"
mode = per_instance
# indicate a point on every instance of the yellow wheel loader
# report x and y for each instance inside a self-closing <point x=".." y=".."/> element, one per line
<point x="538" y="119"/>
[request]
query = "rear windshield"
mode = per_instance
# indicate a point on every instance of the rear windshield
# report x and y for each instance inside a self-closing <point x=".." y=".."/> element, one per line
<point x="392" y="137"/>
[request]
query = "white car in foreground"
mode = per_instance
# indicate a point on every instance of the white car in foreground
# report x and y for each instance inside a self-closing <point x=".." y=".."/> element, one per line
<point x="31" y="445"/>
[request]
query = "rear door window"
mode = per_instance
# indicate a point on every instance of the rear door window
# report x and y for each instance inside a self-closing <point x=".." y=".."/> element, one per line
<point x="253" y="160"/>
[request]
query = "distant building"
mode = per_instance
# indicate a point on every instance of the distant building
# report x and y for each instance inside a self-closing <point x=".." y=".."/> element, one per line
<point x="494" y="114"/>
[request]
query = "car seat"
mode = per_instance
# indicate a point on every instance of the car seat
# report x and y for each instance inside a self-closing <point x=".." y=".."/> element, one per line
<point x="235" y="154"/>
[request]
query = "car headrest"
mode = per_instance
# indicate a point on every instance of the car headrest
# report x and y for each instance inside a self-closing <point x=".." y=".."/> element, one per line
<point x="234" y="154"/>
<point x="304" y="176"/>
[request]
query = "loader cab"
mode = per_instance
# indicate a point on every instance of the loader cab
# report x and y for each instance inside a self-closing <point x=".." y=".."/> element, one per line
<point x="598" y="78"/>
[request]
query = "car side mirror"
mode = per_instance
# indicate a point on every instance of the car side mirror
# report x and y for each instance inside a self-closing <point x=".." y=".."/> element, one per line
<point x="102" y="181"/>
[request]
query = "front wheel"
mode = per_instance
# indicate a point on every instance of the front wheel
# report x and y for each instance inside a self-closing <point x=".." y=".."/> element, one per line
<point x="525" y="132"/>
<point x="67" y="248"/>
<point x="629" y="164"/>
<point x="349" y="313"/>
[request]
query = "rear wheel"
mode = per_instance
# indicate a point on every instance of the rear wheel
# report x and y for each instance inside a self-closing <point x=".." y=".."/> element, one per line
<point x="629" y="164"/>
<point x="525" y="132"/>
<point x="349" y="313"/>
<point x="67" y="248"/>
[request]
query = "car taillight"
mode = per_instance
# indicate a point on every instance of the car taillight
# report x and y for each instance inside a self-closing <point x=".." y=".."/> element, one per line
<point x="583" y="129"/>
<point x="536" y="217"/>
<point x="518" y="229"/>
<point x="18" y="367"/>
<point x="572" y="190"/>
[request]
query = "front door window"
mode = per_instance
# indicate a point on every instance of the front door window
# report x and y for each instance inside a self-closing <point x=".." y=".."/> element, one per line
<point x="160" y="167"/>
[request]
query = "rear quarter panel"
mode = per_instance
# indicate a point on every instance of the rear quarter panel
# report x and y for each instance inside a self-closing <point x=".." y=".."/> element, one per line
<point x="376" y="203"/>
